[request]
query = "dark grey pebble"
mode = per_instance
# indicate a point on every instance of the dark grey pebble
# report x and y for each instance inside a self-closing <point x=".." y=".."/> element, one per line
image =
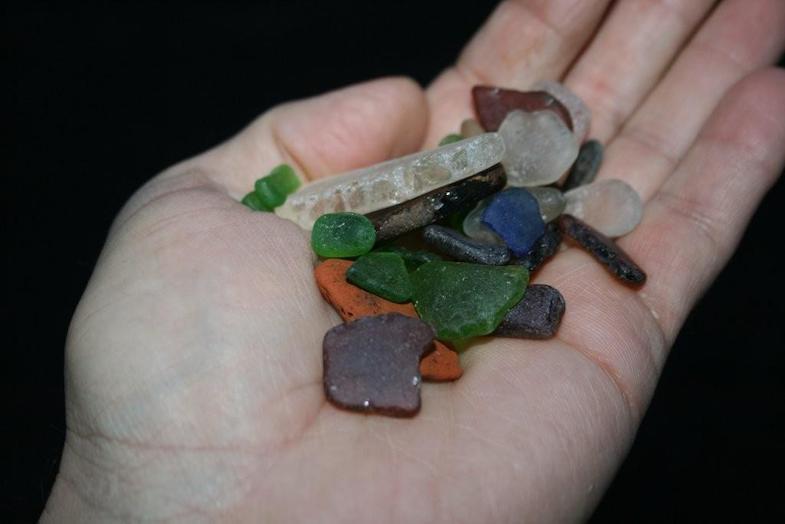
<point x="585" y="168"/>
<point x="603" y="249"/>
<point x="464" y="249"/>
<point x="537" y="315"/>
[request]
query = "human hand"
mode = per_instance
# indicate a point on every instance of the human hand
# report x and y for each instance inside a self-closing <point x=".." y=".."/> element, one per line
<point x="194" y="360"/>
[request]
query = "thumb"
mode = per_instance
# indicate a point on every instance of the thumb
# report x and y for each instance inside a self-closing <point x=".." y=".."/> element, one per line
<point x="352" y="127"/>
<point x="328" y="134"/>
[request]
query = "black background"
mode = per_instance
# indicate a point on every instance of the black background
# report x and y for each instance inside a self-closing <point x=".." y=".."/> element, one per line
<point x="100" y="97"/>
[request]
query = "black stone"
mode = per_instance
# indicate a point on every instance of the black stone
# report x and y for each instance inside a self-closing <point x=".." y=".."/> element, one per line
<point x="586" y="166"/>
<point x="537" y="315"/>
<point x="545" y="247"/>
<point x="373" y="364"/>
<point x="603" y="249"/>
<point x="438" y="204"/>
<point x="464" y="249"/>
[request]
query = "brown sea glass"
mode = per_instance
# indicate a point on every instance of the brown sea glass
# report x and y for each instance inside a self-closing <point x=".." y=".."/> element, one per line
<point x="493" y="103"/>
<point x="372" y="364"/>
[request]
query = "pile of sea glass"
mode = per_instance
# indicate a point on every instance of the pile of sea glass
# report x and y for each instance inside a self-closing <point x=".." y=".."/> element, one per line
<point x="422" y="253"/>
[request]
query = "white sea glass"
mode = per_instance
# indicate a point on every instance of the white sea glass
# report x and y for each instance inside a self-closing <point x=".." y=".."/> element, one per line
<point x="394" y="181"/>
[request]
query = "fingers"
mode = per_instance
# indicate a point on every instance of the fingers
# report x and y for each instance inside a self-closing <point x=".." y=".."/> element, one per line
<point x="345" y="129"/>
<point x="523" y="41"/>
<point x="628" y="55"/>
<point x="692" y="225"/>
<point x="739" y="37"/>
<point x="591" y="394"/>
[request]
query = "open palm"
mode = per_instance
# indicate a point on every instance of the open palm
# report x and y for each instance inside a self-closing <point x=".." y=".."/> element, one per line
<point x="194" y="373"/>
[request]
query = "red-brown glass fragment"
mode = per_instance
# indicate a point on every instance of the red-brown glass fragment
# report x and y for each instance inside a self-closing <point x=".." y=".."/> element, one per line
<point x="372" y="364"/>
<point x="352" y="303"/>
<point x="603" y="249"/>
<point x="493" y="103"/>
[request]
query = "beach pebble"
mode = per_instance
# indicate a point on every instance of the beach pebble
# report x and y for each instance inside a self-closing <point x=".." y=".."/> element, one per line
<point x="537" y="315"/>
<point x="603" y="249"/>
<point x="464" y="249"/>
<point x="586" y="166"/>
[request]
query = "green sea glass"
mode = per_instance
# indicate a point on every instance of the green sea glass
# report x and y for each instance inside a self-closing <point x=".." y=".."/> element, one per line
<point x="342" y="235"/>
<point x="273" y="189"/>
<point x="383" y="274"/>
<point x="412" y="258"/>
<point x="253" y="201"/>
<point x="463" y="300"/>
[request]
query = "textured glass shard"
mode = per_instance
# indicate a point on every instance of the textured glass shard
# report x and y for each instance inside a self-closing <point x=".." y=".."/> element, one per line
<point x="393" y="182"/>
<point x="539" y="148"/>
<point x="580" y="115"/>
<point x="610" y="206"/>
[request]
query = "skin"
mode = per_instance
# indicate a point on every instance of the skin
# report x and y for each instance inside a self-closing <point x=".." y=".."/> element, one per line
<point x="193" y="361"/>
